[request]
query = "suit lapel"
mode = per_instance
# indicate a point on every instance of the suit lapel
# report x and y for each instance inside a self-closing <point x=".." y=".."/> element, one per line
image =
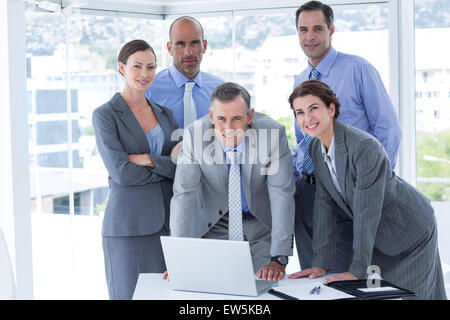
<point x="217" y="159"/>
<point x="165" y="126"/>
<point x="248" y="163"/>
<point x="129" y="120"/>
<point x="324" y="174"/>
<point x="341" y="157"/>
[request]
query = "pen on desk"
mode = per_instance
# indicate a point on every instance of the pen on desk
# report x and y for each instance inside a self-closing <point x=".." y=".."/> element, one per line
<point x="317" y="290"/>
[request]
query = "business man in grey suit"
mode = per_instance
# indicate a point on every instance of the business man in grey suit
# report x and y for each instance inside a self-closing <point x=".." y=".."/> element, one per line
<point x="394" y="226"/>
<point x="202" y="200"/>
<point x="133" y="137"/>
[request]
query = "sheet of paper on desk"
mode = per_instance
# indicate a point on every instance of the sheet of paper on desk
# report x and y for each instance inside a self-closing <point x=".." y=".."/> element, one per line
<point x="302" y="290"/>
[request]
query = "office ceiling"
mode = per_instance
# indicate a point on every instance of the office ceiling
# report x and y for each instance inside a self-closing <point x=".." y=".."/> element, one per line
<point x="178" y="7"/>
<point x="173" y="7"/>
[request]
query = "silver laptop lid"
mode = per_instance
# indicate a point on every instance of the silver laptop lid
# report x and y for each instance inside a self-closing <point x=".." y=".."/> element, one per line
<point x="209" y="265"/>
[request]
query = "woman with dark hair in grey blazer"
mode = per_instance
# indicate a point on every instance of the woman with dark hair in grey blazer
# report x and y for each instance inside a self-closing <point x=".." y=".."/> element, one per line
<point x="133" y="138"/>
<point x="394" y="226"/>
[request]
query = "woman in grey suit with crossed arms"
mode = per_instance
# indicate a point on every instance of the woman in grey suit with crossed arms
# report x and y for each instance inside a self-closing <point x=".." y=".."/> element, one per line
<point x="133" y="139"/>
<point x="394" y="226"/>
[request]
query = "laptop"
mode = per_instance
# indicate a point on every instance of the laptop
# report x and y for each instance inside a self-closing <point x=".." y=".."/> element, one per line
<point x="212" y="265"/>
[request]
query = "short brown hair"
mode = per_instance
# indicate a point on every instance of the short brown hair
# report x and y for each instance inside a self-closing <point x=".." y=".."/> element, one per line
<point x="132" y="47"/>
<point x="313" y="6"/>
<point x="317" y="89"/>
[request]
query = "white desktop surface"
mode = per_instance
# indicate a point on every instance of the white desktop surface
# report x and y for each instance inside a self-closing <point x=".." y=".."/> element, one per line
<point x="151" y="286"/>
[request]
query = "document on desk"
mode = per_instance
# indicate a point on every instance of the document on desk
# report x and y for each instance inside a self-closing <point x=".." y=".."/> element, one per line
<point x="302" y="291"/>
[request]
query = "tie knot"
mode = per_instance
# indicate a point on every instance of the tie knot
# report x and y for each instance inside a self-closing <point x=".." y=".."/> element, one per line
<point x="314" y="75"/>
<point x="188" y="86"/>
<point x="233" y="155"/>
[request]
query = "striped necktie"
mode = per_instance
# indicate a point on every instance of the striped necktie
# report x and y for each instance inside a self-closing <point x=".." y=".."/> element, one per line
<point x="314" y="75"/>
<point x="308" y="166"/>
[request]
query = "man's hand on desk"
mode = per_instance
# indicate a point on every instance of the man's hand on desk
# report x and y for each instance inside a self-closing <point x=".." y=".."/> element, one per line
<point x="166" y="276"/>
<point x="272" y="272"/>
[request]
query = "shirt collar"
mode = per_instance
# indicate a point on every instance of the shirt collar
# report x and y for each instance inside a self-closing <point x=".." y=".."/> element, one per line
<point x="330" y="154"/>
<point x="327" y="62"/>
<point x="239" y="148"/>
<point x="180" y="79"/>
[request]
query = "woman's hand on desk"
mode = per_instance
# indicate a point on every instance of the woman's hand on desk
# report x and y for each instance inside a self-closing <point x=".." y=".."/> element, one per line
<point x="165" y="276"/>
<point x="340" y="277"/>
<point x="312" y="273"/>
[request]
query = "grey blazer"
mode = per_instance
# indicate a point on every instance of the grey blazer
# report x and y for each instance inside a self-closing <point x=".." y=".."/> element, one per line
<point x="388" y="213"/>
<point x="139" y="198"/>
<point x="201" y="181"/>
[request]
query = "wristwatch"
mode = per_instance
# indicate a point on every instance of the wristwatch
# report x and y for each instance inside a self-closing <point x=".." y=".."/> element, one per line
<point x="283" y="260"/>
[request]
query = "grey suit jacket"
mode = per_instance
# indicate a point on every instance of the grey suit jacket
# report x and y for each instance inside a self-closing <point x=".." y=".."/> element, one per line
<point x="201" y="181"/>
<point x="139" y="198"/>
<point x="388" y="213"/>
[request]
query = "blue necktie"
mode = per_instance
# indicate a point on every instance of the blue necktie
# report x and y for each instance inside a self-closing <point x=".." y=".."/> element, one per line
<point x="308" y="166"/>
<point x="314" y="75"/>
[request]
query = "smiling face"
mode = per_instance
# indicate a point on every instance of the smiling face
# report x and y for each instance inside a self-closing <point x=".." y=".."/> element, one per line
<point x="314" y="35"/>
<point x="139" y="71"/>
<point x="230" y="120"/>
<point x="314" y="117"/>
<point x="187" y="47"/>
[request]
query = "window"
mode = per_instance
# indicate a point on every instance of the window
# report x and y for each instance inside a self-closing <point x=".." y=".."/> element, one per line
<point x="72" y="70"/>
<point x="270" y="52"/>
<point x="218" y="58"/>
<point x="433" y="125"/>
<point x="433" y="115"/>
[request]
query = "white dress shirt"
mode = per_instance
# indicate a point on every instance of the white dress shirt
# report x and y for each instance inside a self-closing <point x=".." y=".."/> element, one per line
<point x="329" y="159"/>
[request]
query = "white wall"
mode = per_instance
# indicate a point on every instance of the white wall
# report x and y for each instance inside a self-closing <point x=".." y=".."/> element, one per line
<point x="14" y="183"/>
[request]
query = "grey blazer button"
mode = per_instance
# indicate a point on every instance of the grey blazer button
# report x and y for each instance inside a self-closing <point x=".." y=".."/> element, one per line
<point x="209" y="225"/>
<point x="220" y="212"/>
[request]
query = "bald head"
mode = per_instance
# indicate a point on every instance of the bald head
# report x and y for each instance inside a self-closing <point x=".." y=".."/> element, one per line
<point x="183" y="20"/>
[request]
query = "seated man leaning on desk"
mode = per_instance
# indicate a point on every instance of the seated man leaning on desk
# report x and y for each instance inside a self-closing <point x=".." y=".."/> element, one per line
<point x="233" y="181"/>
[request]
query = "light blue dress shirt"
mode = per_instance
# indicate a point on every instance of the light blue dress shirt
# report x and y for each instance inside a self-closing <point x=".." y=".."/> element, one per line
<point x="365" y="103"/>
<point x="239" y="148"/>
<point x="168" y="90"/>
<point x="155" y="138"/>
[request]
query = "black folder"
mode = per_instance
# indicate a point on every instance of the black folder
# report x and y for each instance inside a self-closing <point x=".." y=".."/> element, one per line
<point x="353" y="287"/>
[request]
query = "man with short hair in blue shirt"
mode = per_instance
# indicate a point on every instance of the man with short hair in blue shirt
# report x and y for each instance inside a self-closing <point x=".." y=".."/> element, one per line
<point x="182" y="87"/>
<point x="365" y="105"/>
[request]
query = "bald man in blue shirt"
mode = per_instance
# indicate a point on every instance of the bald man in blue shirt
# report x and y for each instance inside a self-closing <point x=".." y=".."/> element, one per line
<point x="365" y="105"/>
<point x="187" y="46"/>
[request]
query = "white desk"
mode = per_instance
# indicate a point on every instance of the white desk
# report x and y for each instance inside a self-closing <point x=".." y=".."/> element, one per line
<point x="151" y="286"/>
